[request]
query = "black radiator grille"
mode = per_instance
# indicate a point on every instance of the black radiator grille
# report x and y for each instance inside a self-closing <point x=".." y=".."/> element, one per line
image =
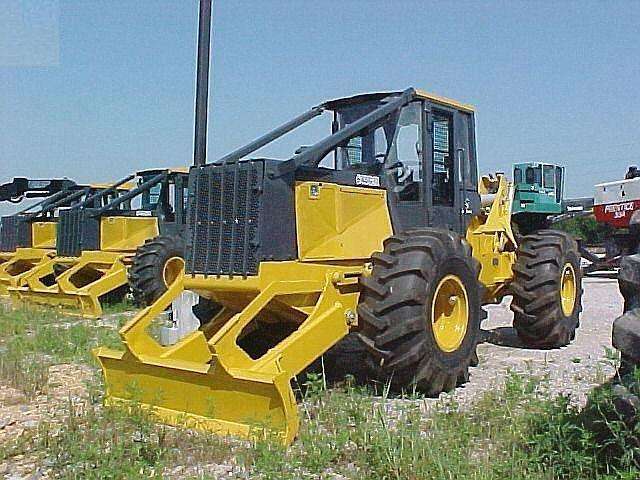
<point x="78" y="230"/>
<point x="223" y="219"/>
<point x="68" y="241"/>
<point x="15" y="232"/>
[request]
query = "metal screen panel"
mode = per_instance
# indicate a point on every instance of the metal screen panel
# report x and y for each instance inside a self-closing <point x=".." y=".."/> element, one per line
<point x="78" y="231"/>
<point x="68" y="239"/>
<point x="15" y="232"/>
<point x="223" y="219"/>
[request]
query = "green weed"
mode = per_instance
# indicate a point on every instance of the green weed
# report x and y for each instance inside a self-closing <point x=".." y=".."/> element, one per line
<point x="31" y="340"/>
<point x="517" y="431"/>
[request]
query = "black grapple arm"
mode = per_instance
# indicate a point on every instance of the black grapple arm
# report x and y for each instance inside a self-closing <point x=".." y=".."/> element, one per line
<point x="20" y="188"/>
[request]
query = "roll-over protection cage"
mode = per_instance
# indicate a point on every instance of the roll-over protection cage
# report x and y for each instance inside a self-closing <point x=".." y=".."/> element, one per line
<point x="16" y="229"/>
<point x="79" y="228"/>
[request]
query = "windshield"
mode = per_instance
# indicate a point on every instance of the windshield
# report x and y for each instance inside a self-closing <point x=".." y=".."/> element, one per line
<point x="549" y="176"/>
<point x="517" y="175"/>
<point x="394" y="140"/>
<point x="533" y="175"/>
<point x="366" y="151"/>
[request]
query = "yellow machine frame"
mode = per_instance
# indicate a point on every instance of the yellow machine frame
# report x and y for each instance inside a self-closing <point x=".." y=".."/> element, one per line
<point x="207" y="381"/>
<point x="86" y="278"/>
<point x="15" y="265"/>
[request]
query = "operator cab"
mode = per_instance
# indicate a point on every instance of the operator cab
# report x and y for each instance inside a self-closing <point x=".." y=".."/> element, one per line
<point x="424" y="154"/>
<point x="418" y="146"/>
<point x="538" y="188"/>
<point x="165" y="199"/>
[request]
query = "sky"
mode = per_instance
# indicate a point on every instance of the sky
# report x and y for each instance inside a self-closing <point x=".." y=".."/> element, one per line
<point x="93" y="90"/>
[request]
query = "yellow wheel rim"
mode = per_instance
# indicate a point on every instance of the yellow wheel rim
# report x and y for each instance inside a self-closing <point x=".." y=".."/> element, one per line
<point x="173" y="268"/>
<point x="568" y="289"/>
<point x="450" y="313"/>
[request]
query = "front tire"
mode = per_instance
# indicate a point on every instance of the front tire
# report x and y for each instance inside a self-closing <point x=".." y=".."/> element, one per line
<point x="547" y="289"/>
<point x="420" y="312"/>
<point x="154" y="267"/>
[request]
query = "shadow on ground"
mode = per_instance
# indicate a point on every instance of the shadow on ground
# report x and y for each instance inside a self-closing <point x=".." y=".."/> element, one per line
<point x="503" y="337"/>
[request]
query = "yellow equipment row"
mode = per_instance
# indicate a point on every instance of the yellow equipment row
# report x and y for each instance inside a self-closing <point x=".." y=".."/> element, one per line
<point x="76" y="284"/>
<point x="85" y="279"/>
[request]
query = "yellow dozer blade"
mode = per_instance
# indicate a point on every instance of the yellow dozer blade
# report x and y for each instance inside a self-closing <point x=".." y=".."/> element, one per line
<point x="77" y="290"/>
<point x="15" y="266"/>
<point x="206" y="380"/>
<point x="5" y="257"/>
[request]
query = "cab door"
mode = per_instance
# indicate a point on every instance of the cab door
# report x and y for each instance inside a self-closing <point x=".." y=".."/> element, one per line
<point x="406" y="170"/>
<point x="452" y="198"/>
<point x="466" y="168"/>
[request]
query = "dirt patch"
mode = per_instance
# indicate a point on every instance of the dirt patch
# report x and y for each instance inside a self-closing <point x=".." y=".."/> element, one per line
<point x="19" y="416"/>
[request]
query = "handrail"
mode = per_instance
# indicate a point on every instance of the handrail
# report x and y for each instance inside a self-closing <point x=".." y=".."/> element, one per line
<point x="131" y="194"/>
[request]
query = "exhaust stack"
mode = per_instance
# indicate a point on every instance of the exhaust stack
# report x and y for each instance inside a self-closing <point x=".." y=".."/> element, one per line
<point x="202" y="83"/>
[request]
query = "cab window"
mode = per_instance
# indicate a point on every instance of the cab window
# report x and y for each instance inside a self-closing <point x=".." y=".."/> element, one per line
<point x="442" y="160"/>
<point x="353" y="151"/>
<point x="405" y="154"/>
<point x="549" y="176"/>
<point x="151" y="197"/>
<point x="533" y="176"/>
<point x="517" y="175"/>
<point x="365" y="152"/>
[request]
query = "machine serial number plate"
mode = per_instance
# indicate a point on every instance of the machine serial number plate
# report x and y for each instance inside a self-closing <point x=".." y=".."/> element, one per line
<point x="367" y="180"/>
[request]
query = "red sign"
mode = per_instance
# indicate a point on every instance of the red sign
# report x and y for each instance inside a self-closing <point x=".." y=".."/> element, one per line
<point x="616" y="214"/>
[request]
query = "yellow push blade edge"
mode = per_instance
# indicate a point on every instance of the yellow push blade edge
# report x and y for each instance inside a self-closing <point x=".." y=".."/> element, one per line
<point x="217" y="401"/>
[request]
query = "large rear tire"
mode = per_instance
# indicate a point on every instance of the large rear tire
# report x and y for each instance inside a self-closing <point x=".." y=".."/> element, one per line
<point x="547" y="289"/>
<point x="154" y="267"/>
<point x="346" y="358"/>
<point x="420" y="312"/>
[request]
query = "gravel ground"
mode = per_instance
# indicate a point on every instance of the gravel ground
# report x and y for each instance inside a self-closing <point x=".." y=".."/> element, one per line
<point x="573" y="370"/>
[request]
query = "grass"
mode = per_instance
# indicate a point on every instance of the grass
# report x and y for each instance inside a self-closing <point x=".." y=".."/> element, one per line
<point x="122" y="306"/>
<point x="516" y="432"/>
<point x="31" y="340"/>
<point x="362" y="436"/>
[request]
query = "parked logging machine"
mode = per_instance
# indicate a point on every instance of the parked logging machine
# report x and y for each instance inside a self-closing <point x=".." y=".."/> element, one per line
<point x="538" y="195"/>
<point x="29" y="236"/>
<point x="133" y="238"/>
<point x="20" y="229"/>
<point x="381" y="229"/>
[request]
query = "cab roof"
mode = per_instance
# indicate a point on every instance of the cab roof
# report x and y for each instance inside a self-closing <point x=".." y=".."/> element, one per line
<point x="102" y="186"/>
<point x="420" y="94"/>
<point x="163" y="170"/>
